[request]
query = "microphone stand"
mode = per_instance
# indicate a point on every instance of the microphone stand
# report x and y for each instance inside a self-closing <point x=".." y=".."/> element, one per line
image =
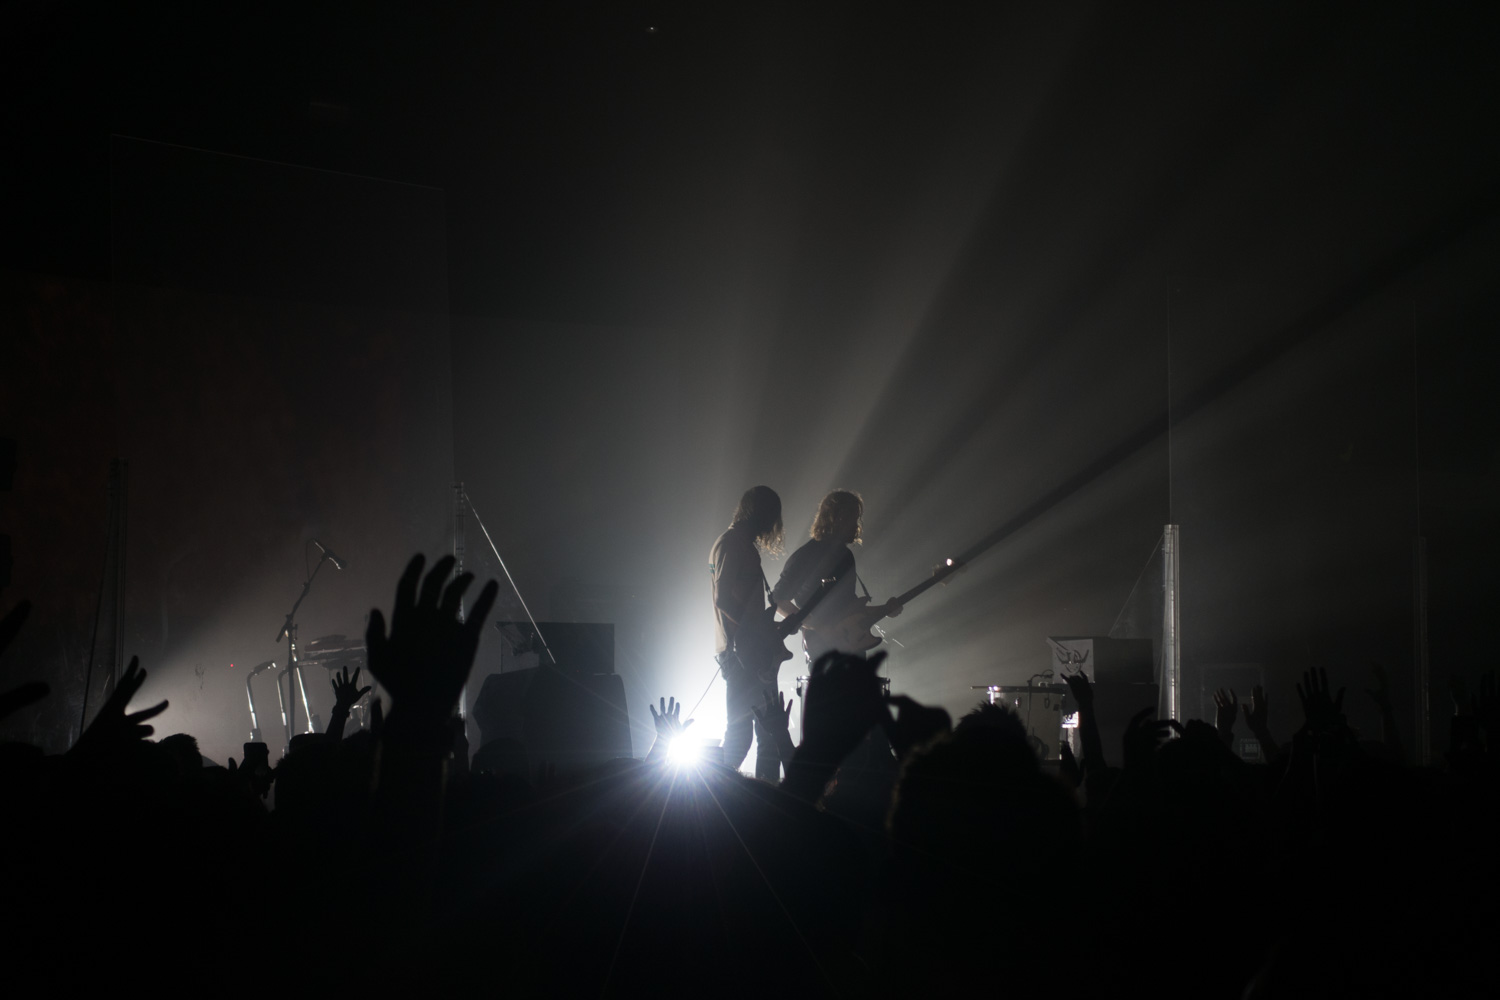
<point x="293" y="669"/>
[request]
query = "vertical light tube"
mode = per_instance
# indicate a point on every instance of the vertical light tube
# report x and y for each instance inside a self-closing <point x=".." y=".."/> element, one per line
<point x="1423" y="671"/>
<point x="458" y="568"/>
<point x="1171" y="627"/>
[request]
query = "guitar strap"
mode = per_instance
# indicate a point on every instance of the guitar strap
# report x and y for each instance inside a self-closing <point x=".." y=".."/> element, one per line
<point x="861" y="582"/>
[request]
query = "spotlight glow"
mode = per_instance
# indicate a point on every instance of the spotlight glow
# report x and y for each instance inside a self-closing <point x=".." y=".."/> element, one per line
<point x="684" y="751"/>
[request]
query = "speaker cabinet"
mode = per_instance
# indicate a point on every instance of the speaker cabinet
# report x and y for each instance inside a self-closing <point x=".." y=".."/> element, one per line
<point x="571" y="721"/>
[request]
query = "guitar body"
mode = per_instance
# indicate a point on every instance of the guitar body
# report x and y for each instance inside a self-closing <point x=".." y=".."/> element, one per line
<point x="760" y="645"/>
<point x="852" y="633"/>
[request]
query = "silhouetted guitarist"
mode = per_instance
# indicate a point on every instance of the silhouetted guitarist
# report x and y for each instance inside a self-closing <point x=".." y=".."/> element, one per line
<point x="827" y="556"/>
<point x="739" y="592"/>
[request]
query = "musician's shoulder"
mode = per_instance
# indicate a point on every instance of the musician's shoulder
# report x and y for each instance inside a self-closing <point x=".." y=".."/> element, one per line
<point x="733" y="545"/>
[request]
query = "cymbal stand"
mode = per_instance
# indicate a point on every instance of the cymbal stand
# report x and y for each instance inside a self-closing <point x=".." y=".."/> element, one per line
<point x="293" y="668"/>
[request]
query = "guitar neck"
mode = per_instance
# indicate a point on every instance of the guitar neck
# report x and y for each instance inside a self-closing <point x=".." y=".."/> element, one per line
<point x="927" y="584"/>
<point x="793" y="622"/>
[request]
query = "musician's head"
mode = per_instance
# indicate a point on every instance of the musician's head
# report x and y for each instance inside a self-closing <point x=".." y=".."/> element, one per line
<point x="760" y="511"/>
<point x="840" y="518"/>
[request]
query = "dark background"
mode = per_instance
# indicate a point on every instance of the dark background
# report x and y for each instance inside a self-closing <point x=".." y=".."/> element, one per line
<point x="1070" y="270"/>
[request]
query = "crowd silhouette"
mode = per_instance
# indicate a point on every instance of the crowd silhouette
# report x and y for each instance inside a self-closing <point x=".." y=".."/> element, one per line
<point x="902" y="853"/>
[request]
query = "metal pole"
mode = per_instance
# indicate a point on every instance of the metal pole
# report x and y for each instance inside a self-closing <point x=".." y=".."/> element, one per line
<point x="1423" y="672"/>
<point x="1171" y="626"/>
<point x="458" y="569"/>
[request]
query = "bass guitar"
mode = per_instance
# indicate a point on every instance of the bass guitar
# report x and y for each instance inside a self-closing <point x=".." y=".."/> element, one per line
<point x="856" y="632"/>
<point x="760" y="641"/>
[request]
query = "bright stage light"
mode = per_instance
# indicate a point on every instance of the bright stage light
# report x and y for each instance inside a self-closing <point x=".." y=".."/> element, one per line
<point x="684" y="751"/>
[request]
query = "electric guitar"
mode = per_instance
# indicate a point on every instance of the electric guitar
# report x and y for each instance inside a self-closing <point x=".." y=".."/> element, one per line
<point x="760" y="641"/>
<point x="854" y="633"/>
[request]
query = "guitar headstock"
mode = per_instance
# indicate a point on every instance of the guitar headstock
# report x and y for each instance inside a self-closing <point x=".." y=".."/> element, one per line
<point x="947" y="568"/>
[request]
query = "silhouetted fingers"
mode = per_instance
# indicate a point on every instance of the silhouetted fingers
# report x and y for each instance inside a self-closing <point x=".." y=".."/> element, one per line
<point x="482" y="604"/>
<point x="130" y="683"/>
<point x="406" y="587"/>
<point x="454" y="595"/>
<point x="375" y="633"/>
<point x="432" y="586"/>
<point x="147" y="713"/>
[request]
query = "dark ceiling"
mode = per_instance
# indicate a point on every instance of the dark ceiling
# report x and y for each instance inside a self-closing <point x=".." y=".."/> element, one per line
<point x="581" y="146"/>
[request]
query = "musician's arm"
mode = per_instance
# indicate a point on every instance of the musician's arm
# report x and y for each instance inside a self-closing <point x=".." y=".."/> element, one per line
<point x="793" y="585"/>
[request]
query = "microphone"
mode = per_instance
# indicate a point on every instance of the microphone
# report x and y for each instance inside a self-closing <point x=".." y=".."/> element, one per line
<point x="328" y="554"/>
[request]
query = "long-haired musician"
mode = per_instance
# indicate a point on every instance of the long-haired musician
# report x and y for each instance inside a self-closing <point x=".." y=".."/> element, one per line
<point x="739" y="594"/>
<point x="826" y="555"/>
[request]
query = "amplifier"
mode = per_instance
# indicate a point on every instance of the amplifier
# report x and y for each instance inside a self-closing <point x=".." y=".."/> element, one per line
<point x="563" y="719"/>
<point x="1119" y="661"/>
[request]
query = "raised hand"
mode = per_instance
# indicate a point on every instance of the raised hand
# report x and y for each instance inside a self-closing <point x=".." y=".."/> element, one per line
<point x="843" y="702"/>
<point x="425" y="659"/>
<point x="1256" y="715"/>
<point x="668" y="728"/>
<point x="1081" y="690"/>
<point x="774" y="716"/>
<point x="914" y="724"/>
<point x="775" y="721"/>
<point x="347" y="692"/>
<point x="669" y="724"/>
<point x="1322" y="713"/>
<point x="1072" y="772"/>
<point x="1226" y="707"/>
<point x="112" y="729"/>
<point x="1256" y="711"/>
